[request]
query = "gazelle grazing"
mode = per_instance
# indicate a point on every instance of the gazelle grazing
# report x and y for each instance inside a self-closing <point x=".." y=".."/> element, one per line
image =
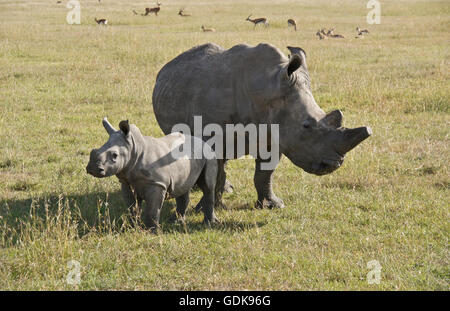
<point x="153" y="10"/>
<point x="361" y="31"/>
<point x="256" y="21"/>
<point x="181" y="13"/>
<point x="292" y="23"/>
<point x="101" y="21"/>
<point x="208" y="29"/>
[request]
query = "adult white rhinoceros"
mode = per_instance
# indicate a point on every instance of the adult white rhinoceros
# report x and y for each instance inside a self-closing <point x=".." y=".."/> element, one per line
<point x="254" y="85"/>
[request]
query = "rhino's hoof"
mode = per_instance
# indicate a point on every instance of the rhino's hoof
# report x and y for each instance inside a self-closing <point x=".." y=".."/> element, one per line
<point x="212" y="221"/>
<point x="270" y="204"/>
<point x="179" y="219"/>
<point x="155" y="230"/>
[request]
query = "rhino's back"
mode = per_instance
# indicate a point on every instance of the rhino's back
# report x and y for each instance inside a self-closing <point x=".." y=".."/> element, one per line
<point x="210" y="81"/>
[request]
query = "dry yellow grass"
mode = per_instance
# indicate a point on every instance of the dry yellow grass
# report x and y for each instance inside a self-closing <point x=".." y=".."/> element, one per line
<point x="389" y="201"/>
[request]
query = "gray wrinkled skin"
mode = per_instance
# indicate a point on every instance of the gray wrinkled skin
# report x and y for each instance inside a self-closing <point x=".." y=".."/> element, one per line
<point x="257" y="85"/>
<point x="148" y="171"/>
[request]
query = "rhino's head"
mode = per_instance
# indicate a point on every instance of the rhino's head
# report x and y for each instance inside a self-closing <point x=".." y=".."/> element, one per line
<point x="310" y="138"/>
<point x="115" y="155"/>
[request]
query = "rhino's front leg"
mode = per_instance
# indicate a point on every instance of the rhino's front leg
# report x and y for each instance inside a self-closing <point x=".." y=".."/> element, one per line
<point x="154" y="198"/>
<point x="130" y="199"/>
<point x="263" y="184"/>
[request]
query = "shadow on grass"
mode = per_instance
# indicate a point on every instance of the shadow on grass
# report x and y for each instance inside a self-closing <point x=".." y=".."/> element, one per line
<point x="99" y="212"/>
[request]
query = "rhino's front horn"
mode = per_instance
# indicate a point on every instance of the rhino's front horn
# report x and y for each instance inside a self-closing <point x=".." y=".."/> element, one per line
<point x="108" y="127"/>
<point x="352" y="137"/>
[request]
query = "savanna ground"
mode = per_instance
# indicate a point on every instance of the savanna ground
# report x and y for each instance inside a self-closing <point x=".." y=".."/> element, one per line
<point x="389" y="202"/>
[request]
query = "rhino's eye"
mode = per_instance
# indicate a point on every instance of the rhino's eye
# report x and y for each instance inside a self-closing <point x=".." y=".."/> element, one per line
<point x="309" y="123"/>
<point x="114" y="156"/>
<point x="306" y="124"/>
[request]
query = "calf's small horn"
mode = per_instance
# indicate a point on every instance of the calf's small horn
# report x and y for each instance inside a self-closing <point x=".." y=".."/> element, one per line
<point x="108" y="127"/>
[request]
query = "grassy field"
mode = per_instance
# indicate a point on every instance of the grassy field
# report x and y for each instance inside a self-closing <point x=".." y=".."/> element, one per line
<point x="389" y="202"/>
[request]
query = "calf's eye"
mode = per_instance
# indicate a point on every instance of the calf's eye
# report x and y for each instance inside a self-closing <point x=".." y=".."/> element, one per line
<point x="306" y="124"/>
<point x="114" y="156"/>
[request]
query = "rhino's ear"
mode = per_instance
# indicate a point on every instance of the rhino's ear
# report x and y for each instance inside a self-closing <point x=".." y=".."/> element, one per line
<point x="124" y="126"/>
<point x="297" y="50"/>
<point x="334" y="118"/>
<point x="300" y="52"/>
<point x="294" y="63"/>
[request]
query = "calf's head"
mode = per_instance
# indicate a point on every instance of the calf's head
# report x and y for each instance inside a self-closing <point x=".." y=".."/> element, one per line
<point x="114" y="156"/>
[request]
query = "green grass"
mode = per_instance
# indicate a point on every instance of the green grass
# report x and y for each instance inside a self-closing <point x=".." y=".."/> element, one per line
<point x="389" y="201"/>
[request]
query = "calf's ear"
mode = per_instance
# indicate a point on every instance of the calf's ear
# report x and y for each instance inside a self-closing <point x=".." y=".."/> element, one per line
<point x="124" y="126"/>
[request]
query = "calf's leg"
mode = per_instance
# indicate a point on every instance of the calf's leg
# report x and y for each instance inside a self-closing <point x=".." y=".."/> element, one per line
<point x="130" y="200"/>
<point x="182" y="204"/>
<point x="207" y="182"/>
<point x="154" y="198"/>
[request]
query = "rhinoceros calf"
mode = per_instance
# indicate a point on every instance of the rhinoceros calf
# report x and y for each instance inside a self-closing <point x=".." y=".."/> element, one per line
<point x="148" y="168"/>
<point x="254" y="85"/>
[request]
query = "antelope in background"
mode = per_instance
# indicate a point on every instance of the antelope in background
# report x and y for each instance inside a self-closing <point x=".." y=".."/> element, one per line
<point x="322" y="31"/>
<point x="293" y="23"/>
<point x="208" y="29"/>
<point x="321" y="35"/>
<point x="361" y="31"/>
<point x="329" y="34"/>
<point x="101" y="21"/>
<point x="256" y="21"/>
<point x="336" y="36"/>
<point x="181" y="13"/>
<point x="153" y="10"/>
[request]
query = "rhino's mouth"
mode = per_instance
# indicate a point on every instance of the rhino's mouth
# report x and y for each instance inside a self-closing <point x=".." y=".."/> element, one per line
<point x="96" y="171"/>
<point x="326" y="166"/>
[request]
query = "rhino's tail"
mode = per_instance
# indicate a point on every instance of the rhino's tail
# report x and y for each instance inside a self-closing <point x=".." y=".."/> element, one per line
<point x="220" y="184"/>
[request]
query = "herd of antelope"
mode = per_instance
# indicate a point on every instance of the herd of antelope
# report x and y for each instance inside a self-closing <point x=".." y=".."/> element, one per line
<point x="322" y="34"/>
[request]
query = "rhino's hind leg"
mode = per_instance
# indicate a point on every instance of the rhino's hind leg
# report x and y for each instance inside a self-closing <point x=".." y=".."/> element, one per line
<point x="207" y="182"/>
<point x="263" y="184"/>
<point x="154" y="198"/>
<point x="182" y="204"/>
